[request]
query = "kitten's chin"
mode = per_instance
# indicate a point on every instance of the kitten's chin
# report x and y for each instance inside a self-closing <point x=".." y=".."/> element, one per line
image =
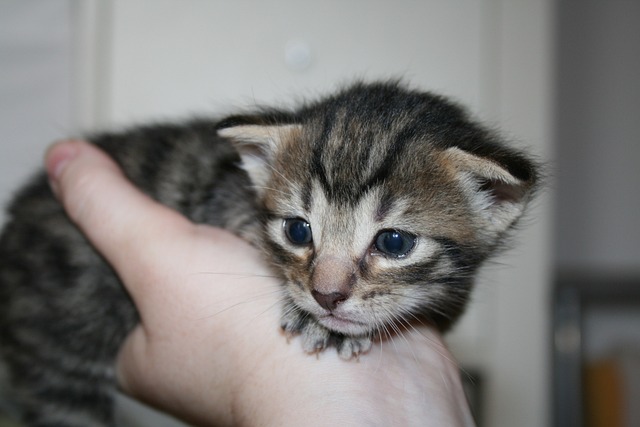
<point x="344" y="325"/>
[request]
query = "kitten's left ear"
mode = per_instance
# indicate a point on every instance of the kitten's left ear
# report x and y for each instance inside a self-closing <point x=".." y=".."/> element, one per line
<point x="257" y="146"/>
<point x="497" y="194"/>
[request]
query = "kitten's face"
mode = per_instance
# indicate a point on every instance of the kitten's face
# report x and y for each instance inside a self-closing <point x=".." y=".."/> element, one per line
<point x="373" y="221"/>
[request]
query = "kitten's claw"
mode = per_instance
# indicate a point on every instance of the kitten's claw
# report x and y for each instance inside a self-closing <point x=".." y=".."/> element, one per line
<point x="316" y="338"/>
<point x="353" y="347"/>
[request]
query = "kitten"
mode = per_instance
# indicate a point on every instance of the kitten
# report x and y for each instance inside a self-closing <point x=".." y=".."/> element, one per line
<point x="375" y="206"/>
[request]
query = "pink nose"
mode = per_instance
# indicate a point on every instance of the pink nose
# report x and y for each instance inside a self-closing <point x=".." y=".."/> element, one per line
<point x="329" y="301"/>
<point x="332" y="280"/>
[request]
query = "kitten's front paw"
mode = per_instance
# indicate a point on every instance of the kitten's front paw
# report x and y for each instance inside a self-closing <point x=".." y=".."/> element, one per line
<point x="316" y="338"/>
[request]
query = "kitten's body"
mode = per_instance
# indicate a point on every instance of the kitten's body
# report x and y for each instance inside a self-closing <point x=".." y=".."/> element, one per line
<point x="375" y="206"/>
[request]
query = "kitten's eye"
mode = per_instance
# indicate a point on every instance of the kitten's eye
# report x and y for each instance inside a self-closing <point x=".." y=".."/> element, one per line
<point x="298" y="231"/>
<point x="394" y="243"/>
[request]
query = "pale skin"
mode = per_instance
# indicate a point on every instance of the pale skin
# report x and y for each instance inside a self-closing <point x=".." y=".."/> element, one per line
<point x="209" y="349"/>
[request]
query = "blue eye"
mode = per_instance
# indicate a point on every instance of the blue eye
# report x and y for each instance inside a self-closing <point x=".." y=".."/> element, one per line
<point x="394" y="243"/>
<point x="298" y="231"/>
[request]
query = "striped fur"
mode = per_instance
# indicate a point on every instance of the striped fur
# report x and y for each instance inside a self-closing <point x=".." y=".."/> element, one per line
<point x="369" y="159"/>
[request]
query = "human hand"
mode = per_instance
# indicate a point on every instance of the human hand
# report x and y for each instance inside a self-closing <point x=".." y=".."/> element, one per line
<point x="208" y="348"/>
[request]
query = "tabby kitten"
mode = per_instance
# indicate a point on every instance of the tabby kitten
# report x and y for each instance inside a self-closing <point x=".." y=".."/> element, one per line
<point x="375" y="206"/>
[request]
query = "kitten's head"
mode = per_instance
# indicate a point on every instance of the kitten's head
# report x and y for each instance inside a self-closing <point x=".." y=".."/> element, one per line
<point x="380" y="203"/>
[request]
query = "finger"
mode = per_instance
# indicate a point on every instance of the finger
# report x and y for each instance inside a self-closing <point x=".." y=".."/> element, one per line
<point x="119" y="220"/>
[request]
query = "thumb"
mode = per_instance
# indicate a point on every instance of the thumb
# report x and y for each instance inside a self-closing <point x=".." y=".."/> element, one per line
<point x="111" y="212"/>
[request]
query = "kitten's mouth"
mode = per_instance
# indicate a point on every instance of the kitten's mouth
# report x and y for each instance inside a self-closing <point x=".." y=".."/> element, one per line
<point x="343" y="325"/>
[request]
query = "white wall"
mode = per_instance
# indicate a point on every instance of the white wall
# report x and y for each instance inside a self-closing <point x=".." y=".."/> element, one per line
<point x="202" y="56"/>
<point x="36" y="84"/>
<point x="150" y="59"/>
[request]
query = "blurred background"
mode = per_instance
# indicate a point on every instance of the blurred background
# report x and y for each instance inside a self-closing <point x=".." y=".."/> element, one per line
<point x="553" y="334"/>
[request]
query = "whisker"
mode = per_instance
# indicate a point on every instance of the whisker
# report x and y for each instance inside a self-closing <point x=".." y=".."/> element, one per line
<point x="256" y="297"/>
<point x="437" y="346"/>
<point x="262" y="187"/>
<point x="405" y="325"/>
<point x="392" y="325"/>
<point x="266" y="310"/>
<point x="280" y="174"/>
<point x="238" y="275"/>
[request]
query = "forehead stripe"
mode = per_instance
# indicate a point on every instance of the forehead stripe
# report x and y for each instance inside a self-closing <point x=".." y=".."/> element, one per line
<point x="306" y="195"/>
<point x="317" y="166"/>
<point x="318" y="170"/>
<point x="384" y="206"/>
<point x="391" y="157"/>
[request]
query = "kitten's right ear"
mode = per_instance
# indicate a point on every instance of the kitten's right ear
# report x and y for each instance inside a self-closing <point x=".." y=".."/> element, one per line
<point x="257" y="146"/>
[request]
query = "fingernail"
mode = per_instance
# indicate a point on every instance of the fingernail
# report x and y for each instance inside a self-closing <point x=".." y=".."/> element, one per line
<point x="57" y="158"/>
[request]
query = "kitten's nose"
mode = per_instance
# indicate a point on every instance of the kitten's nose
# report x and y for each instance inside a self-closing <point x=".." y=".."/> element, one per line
<point x="329" y="301"/>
